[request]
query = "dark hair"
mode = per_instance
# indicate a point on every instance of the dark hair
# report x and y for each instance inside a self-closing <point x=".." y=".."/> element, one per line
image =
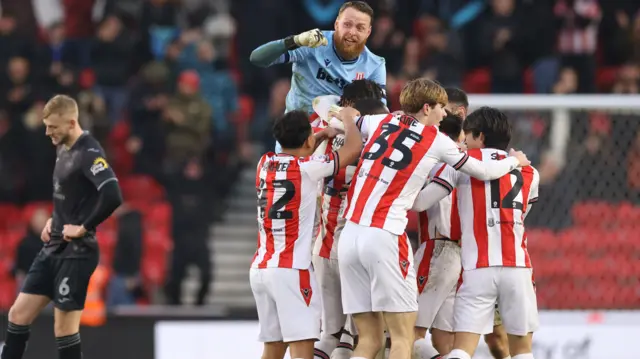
<point x="292" y="129"/>
<point x="451" y="126"/>
<point x="358" y="5"/>
<point x="457" y="96"/>
<point x="370" y="106"/>
<point x="360" y="89"/>
<point x="492" y="123"/>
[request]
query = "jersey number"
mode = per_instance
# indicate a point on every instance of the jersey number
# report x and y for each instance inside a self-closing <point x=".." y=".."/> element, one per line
<point x="277" y="209"/>
<point x="509" y="199"/>
<point x="387" y="130"/>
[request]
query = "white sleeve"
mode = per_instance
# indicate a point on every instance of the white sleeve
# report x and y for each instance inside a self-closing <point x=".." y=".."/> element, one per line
<point x="533" y="193"/>
<point x="429" y="196"/>
<point x="368" y="124"/>
<point x="484" y="171"/>
<point x="320" y="166"/>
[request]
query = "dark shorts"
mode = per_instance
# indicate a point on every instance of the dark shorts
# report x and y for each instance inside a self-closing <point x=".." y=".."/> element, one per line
<point x="64" y="280"/>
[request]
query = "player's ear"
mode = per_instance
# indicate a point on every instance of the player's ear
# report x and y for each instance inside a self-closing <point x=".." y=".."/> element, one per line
<point x="481" y="138"/>
<point x="335" y="25"/>
<point x="426" y="109"/>
<point x="310" y="142"/>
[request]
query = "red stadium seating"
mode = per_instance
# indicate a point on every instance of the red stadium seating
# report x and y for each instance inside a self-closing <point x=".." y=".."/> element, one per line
<point x="141" y="188"/>
<point x="10" y="217"/>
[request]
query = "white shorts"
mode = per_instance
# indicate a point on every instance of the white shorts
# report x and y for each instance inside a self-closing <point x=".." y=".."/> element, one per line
<point x="482" y="288"/>
<point x="438" y="273"/>
<point x="328" y="275"/>
<point x="376" y="271"/>
<point x="288" y="303"/>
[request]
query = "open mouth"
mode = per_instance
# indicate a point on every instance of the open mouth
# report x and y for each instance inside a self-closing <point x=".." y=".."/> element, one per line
<point x="350" y="42"/>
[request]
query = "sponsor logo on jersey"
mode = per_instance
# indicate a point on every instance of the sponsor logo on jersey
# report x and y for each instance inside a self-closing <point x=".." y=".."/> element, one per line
<point x="99" y="165"/>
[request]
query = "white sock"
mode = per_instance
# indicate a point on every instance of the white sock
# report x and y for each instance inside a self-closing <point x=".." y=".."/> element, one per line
<point x="458" y="354"/>
<point x="346" y="341"/>
<point x="524" y="356"/>
<point x="422" y="349"/>
<point x="322" y="348"/>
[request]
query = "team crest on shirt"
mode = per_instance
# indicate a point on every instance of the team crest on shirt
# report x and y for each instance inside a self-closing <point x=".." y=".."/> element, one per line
<point x="306" y="294"/>
<point x="404" y="266"/>
<point x="421" y="280"/>
<point x="491" y="222"/>
<point x="99" y="165"/>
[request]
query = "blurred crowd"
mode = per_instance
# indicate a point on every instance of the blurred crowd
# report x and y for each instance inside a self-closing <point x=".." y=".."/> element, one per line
<point x="168" y="89"/>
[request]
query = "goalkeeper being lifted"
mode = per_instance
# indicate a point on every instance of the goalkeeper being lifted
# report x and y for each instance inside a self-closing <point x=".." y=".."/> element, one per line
<point x="326" y="61"/>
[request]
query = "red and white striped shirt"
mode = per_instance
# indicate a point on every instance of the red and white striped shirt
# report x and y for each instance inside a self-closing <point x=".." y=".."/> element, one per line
<point x="287" y="189"/>
<point x="334" y="203"/>
<point x="441" y="219"/>
<point x="396" y="160"/>
<point x="492" y="213"/>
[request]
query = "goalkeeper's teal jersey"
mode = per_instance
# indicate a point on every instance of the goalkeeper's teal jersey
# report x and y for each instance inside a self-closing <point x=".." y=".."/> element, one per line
<point x="321" y="71"/>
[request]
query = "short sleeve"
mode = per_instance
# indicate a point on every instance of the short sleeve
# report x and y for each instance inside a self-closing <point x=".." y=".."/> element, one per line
<point x="320" y="166"/>
<point x="368" y="124"/>
<point x="96" y="168"/>
<point x="446" y="177"/>
<point x="379" y="76"/>
<point x="449" y="152"/>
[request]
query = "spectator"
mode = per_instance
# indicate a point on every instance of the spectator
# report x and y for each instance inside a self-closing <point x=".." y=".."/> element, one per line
<point x="124" y="282"/>
<point x="188" y="119"/>
<point x="54" y="70"/>
<point x="578" y="38"/>
<point x="111" y="55"/>
<point x="30" y="245"/>
<point x="191" y="201"/>
<point x="40" y="154"/>
<point x="11" y="42"/>
<point x="504" y="41"/>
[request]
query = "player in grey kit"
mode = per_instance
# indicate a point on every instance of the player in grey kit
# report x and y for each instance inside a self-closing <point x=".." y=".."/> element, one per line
<point x="85" y="193"/>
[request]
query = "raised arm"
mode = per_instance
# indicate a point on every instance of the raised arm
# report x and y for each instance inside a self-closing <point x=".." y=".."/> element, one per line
<point x="290" y="49"/>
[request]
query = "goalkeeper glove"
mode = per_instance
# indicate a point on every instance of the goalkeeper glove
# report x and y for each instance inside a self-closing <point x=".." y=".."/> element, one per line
<point x="312" y="38"/>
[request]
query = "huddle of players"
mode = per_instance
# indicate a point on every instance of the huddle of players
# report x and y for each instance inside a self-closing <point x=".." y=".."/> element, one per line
<point x="375" y="272"/>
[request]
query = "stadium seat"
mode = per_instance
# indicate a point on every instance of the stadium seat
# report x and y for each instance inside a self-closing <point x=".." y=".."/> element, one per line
<point x="154" y="270"/>
<point x="6" y="266"/>
<point x="141" y="188"/>
<point x="246" y="109"/>
<point x="592" y="214"/>
<point x="627" y="215"/>
<point x="9" y="240"/>
<point x="528" y="81"/>
<point x="10" y="217"/>
<point x="107" y="241"/>
<point x="7" y="293"/>
<point x="159" y="216"/>
<point x="477" y="81"/>
<point x="606" y="77"/>
<point x="156" y="241"/>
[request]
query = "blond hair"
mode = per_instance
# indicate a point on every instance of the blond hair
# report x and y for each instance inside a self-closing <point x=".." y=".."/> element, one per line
<point x="61" y="105"/>
<point x="416" y="93"/>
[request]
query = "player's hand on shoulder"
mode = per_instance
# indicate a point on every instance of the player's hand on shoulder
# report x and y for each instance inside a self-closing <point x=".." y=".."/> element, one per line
<point x="521" y="157"/>
<point x="312" y="38"/>
<point x="70" y="232"/>
<point x="348" y="114"/>
<point x="46" y="232"/>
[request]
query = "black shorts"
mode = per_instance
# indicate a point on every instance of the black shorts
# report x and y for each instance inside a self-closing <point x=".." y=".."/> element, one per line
<point x="64" y="280"/>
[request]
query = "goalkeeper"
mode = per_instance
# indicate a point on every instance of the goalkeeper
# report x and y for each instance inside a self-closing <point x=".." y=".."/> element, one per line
<point x="324" y="62"/>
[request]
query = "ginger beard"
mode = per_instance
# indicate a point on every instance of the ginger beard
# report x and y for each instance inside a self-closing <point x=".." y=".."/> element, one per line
<point x="348" y="47"/>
